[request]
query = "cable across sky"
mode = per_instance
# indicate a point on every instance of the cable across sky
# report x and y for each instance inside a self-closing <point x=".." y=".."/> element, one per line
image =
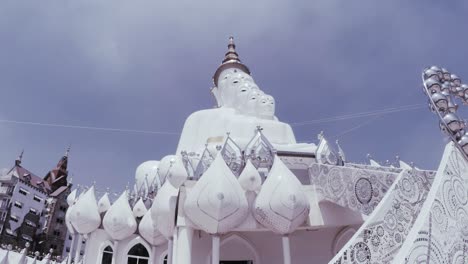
<point x="361" y="114"/>
<point x="303" y="123"/>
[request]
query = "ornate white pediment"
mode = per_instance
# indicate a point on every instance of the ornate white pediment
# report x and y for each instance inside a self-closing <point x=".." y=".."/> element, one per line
<point x="148" y="230"/>
<point x="281" y="204"/>
<point x="163" y="209"/>
<point x="85" y="216"/>
<point x="104" y="203"/>
<point x="119" y="221"/>
<point x="250" y="179"/>
<point x="217" y="202"/>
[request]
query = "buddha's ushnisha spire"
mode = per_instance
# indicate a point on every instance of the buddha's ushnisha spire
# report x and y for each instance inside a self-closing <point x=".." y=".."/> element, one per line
<point x="231" y="60"/>
<point x="231" y="55"/>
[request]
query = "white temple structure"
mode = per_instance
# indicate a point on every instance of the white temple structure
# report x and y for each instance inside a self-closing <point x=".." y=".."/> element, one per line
<point x="240" y="190"/>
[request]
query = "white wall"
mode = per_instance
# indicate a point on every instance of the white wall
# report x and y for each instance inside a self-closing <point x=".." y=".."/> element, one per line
<point x="267" y="246"/>
<point x="99" y="239"/>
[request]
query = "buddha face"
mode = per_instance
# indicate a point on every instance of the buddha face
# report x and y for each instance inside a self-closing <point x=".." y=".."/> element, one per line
<point x="234" y="87"/>
<point x="244" y="91"/>
<point x="250" y="107"/>
<point x="266" y="106"/>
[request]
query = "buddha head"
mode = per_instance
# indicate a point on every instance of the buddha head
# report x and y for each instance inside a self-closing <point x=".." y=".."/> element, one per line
<point x="230" y="77"/>
<point x="266" y="106"/>
<point x="250" y="106"/>
<point x="233" y="88"/>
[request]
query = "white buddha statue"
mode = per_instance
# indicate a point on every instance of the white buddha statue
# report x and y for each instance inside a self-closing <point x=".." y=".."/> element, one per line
<point x="241" y="108"/>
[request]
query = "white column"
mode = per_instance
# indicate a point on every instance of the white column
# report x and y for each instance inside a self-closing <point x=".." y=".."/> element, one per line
<point x="169" y="251"/>
<point x="78" y="248"/>
<point x="174" y="246"/>
<point x="286" y="250"/>
<point x="184" y="245"/>
<point x="155" y="260"/>
<point x="71" y="249"/>
<point x="114" y="252"/>
<point x="215" y="249"/>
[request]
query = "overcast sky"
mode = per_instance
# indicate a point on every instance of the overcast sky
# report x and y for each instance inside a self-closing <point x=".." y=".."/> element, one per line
<point x="144" y="65"/>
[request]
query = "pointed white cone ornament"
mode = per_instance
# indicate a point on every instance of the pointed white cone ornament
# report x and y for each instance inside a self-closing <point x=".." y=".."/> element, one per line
<point x="139" y="210"/>
<point x="163" y="209"/>
<point x="148" y="230"/>
<point x="217" y="202"/>
<point x="85" y="216"/>
<point x="68" y="223"/>
<point x="405" y="165"/>
<point x="374" y="163"/>
<point x="36" y="254"/>
<point x="281" y="205"/>
<point x="104" y="203"/>
<point x="6" y="258"/>
<point x="250" y="179"/>
<point x="48" y="258"/>
<point x="172" y="169"/>
<point x="119" y="221"/>
<point x="24" y="254"/>
<point x="71" y="198"/>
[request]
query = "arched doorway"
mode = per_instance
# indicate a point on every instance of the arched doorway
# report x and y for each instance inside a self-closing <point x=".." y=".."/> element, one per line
<point x="235" y="249"/>
<point x="107" y="253"/>
<point x="138" y="254"/>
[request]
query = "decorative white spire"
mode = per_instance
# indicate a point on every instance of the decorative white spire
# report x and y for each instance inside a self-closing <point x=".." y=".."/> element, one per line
<point x="149" y="231"/>
<point x="71" y="198"/>
<point x="139" y="210"/>
<point x="6" y="258"/>
<point x="24" y="254"/>
<point x="104" y="203"/>
<point x="119" y="221"/>
<point x="217" y="202"/>
<point x="68" y="223"/>
<point x="173" y="170"/>
<point x="85" y="216"/>
<point x="164" y="209"/>
<point x="404" y="165"/>
<point x="340" y="151"/>
<point x="325" y="153"/>
<point x="250" y="179"/>
<point x="48" y="257"/>
<point x="281" y="204"/>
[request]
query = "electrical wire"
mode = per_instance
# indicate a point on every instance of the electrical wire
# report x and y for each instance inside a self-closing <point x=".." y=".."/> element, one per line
<point x="377" y="113"/>
<point x="360" y="115"/>
<point x="89" y="127"/>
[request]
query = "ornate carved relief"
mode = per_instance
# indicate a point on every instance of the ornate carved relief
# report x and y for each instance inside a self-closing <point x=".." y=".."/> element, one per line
<point x="443" y="238"/>
<point x="357" y="189"/>
<point x="281" y="205"/>
<point x="380" y="238"/>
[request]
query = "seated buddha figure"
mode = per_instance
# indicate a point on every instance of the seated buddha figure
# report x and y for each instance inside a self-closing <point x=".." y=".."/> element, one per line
<point x="241" y="107"/>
